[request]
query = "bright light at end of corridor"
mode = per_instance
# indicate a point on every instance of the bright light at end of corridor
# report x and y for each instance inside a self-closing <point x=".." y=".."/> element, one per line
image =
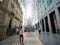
<point x="27" y="14"/>
<point x="28" y="11"/>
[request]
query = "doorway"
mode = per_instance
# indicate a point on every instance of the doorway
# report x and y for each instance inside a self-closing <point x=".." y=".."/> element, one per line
<point x="9" y="31"/>
<point x="59" y="10"/>
<point x="54" y="24"/>
<point x="46" y="23"/>
<point x="43" y="25"/>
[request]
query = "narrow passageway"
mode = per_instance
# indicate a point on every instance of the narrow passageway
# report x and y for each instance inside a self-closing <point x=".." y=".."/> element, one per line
<point x="37" y="20"/>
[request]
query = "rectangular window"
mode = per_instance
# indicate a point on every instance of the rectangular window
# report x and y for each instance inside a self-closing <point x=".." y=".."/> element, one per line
<point x="49" y="2"/>
<point x="2" y="3"/>
<point x="39" y="1"/>
<point x="43" y="1"/>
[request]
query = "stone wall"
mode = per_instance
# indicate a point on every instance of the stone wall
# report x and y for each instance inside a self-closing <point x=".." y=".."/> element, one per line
<point x="3" y="25"/>
<point x="6" y="16"/>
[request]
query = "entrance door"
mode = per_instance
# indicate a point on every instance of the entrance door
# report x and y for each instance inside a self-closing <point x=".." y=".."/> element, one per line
<point x="46" y="23"/>
<point x="9" y="28"/>
<point x="43" y="25"/>
<point x="59" y="10"/>
<point x="54" y="23"/>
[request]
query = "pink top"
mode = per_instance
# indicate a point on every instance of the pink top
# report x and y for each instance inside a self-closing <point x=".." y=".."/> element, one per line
<point x="21" y="31"/>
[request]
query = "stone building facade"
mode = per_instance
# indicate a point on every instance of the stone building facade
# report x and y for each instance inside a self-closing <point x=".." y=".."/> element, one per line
<point x="10" y="17"/>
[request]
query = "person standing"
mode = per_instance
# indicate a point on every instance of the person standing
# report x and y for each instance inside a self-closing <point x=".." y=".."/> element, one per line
<point x="21" y="35"/>
<point x="17" y="31"/>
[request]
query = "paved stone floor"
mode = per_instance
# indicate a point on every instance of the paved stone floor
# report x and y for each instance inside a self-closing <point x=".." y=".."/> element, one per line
<point x="29" y="39"/>
<point x="49" y="38"/>
<point x="32" y="39"/>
